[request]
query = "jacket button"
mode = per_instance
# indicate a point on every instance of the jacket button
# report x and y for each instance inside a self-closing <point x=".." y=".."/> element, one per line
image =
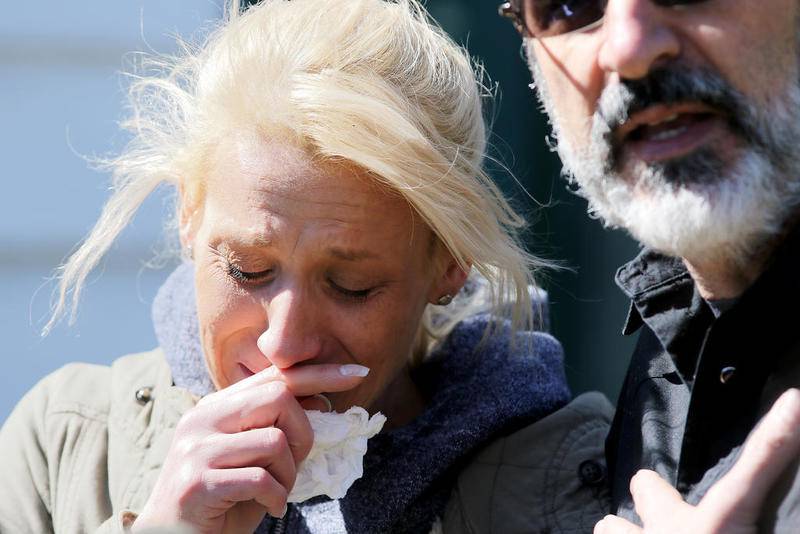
<point x="144" y="395"/>
<point x="591" y="473"/>
<point x="726" y="374"/>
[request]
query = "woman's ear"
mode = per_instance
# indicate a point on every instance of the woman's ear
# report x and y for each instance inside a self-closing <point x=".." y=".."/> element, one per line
<point x="450" y="279"/>
<point x="188" y="222"/>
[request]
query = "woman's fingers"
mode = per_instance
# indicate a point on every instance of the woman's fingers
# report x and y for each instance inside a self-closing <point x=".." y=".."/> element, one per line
<point x="245" y="484"/>
<point x="775" y="442"/>
<point x="269" y="374"/>
<point x="269" y="398"/>
<point x="305" y="380"/>
<point x="271" y="404"/>
<point x="241" y="445"/>
<point x="267" y="448"/>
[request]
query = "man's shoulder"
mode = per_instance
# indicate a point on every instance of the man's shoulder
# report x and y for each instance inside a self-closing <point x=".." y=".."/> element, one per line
<point x="548" y="476"/>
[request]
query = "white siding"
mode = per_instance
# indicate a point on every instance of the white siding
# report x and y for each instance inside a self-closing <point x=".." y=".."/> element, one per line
<point x="60" y="99"/>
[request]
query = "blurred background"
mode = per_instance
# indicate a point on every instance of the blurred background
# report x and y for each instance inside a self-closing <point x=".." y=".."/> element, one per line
<point x="61" y="97"/>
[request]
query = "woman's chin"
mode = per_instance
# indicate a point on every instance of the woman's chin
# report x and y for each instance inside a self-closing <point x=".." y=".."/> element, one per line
<point x="341" y="402"/>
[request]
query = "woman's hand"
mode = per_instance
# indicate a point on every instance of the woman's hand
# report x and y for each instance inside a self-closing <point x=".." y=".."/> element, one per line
<point x="234" y="456"/>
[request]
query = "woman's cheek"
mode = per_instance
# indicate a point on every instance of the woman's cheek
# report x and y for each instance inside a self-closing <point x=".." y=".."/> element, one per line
<point x="230" y="322"/>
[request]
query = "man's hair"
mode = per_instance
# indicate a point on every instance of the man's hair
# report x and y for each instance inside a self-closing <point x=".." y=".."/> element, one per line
<point x="370" y="83"/>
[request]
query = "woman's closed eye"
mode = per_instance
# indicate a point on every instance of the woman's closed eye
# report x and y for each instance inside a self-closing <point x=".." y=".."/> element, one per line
<point x="355" y="295"/>
<point x="247" y="277"/>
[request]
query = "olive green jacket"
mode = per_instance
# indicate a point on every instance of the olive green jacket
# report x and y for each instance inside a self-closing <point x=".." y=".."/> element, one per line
<point x="82" y="451"/>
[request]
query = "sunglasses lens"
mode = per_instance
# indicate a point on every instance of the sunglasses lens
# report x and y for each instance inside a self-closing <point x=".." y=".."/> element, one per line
<point x="545" y="18"/>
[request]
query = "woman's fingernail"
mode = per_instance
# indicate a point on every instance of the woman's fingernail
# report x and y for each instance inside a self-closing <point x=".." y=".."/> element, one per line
<point x="285" y="509"/>
<point x="352" y="369"/>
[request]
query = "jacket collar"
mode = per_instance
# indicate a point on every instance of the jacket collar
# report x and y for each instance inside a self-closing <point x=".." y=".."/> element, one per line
<point x="664" y="296"/>
<point x="646" y="277"/>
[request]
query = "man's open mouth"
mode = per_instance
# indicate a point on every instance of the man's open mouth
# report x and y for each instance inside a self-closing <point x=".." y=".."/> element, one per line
<point x="666" y="132"/>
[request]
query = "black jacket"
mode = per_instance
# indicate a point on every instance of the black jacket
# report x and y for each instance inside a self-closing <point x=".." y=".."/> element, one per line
<point x="702" y="376"/>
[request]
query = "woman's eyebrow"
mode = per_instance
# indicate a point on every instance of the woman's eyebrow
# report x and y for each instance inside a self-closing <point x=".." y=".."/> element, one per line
<point x="241" y="240"/>
<point x="347" y="254"/>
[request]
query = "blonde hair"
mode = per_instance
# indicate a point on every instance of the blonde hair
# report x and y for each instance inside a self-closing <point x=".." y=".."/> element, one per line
<point x="376" y="83"/>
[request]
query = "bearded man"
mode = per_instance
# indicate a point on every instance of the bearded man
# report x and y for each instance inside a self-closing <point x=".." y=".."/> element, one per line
<point x="679" y="121"/>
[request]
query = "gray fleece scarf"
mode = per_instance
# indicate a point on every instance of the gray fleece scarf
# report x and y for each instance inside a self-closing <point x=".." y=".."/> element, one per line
<point x="474" y="395"/>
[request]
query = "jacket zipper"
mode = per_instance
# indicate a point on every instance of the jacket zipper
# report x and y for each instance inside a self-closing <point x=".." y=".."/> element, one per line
<point x="280" y="524"/>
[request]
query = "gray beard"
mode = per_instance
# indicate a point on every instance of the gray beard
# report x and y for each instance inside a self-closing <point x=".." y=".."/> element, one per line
<point x="701" y="207"/>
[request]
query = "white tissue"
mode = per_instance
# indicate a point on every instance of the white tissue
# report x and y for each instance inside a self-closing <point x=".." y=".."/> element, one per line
<point x="336" y="459"/>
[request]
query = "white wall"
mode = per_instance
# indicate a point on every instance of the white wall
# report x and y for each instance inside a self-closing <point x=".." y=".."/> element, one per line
<point x="60" y="99"/>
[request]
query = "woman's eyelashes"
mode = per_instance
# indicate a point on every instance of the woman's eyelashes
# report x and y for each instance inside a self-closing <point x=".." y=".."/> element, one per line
<point x="244" y="277"/>
<point x="355" y="295"/>
<point x="247" y="277"/>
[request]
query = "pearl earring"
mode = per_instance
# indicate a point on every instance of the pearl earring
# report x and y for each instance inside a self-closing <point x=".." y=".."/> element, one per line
<point x="445" y="299"/>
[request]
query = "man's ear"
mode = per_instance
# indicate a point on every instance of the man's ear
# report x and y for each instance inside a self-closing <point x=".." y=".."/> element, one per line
<point x="450" y="279"/>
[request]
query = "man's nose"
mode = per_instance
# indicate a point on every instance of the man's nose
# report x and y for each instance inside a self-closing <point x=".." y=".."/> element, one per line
<point x="637" y="38"/>
<point x="291" y="336"/>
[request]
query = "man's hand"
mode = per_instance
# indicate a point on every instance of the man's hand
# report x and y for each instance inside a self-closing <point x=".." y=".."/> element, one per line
<point x="733" y="504"/>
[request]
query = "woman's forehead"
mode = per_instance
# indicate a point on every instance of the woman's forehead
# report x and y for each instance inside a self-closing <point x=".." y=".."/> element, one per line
<point x="257" y="183"/>
<point x="253" y="170"/>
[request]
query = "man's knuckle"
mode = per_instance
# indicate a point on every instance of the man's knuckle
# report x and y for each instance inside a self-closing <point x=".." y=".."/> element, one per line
<point x="774" y="443"/>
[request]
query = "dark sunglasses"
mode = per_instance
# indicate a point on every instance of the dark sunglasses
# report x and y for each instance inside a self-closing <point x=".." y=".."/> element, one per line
<point x="546" y="18"/>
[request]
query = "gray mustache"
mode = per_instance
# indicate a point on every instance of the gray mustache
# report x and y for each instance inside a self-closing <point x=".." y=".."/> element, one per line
<point x="672" y="85"/>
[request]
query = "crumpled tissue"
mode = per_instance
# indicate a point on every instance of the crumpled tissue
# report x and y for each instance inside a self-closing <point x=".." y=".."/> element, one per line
<point x="336" y="459"/>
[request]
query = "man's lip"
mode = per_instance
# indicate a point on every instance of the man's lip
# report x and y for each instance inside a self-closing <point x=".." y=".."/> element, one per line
<point x="658" y="114"/>
<point x="679" y="143"/>
<point x="666" y="132"/>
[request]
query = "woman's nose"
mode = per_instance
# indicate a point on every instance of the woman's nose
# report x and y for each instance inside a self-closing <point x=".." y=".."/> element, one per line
<point x="637" y="38"/>
<point x="291" y="336"/>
